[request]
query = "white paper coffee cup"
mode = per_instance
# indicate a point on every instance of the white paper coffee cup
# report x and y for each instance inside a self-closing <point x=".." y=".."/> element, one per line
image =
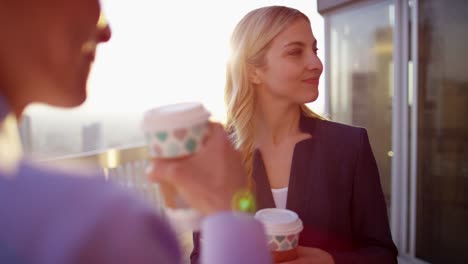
<point x="282" y="227"/>
<point x="175" y="130"/>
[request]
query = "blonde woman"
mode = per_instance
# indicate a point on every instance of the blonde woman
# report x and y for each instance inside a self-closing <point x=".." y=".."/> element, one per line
<point x="322" y="170"/>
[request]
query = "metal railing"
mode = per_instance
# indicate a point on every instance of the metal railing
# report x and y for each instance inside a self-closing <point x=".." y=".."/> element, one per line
<point x="122" y="166"/>
<point x="107" y="159"/>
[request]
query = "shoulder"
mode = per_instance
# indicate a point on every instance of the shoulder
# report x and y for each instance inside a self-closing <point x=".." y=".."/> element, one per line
<point x="333" y="131"/>
<point x="65" y="192"/>
<point x="80" y="210"/>
<point x="54" y="188"/>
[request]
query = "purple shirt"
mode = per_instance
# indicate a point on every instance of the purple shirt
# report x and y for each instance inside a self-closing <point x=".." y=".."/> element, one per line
<point x="49" y="217"/>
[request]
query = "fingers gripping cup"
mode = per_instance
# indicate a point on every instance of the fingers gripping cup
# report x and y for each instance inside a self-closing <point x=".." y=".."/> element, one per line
<point x="282" y="228"/>
<point x="176" y="131"/>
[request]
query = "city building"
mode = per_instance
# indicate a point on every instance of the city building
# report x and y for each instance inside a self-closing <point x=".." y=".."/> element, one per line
<point x="26" y="134"/>
<point x="92" y="137"/>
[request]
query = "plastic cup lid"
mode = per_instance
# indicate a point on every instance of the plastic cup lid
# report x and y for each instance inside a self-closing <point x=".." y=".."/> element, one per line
<point x="279" y="222"/>
<point x="174" y="116"/>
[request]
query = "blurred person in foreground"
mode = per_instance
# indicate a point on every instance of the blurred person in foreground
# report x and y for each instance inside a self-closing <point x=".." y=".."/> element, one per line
<point x="46" y="216"/>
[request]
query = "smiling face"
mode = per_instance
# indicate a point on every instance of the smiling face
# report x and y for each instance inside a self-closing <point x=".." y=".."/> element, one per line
<point x="292" y="69"/>
<point x="50" y="48"/>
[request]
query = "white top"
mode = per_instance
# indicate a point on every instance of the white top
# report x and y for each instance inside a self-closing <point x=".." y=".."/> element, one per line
<point x="280" y="196"/>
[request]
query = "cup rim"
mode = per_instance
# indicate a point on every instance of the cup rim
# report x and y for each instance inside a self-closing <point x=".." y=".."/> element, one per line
<point x="174" y="116"/>
<point x="287" y="224"/>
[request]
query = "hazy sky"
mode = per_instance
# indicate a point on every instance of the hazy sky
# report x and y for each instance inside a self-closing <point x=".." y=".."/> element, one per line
<point x="169" y="51"/>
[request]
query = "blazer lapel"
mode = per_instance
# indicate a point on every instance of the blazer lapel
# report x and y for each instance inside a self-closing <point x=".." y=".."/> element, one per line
<point x="303" y="159"/>
<point x="262" y="185"/>
<point x="303" y="171"/>
<point x="300" y="176"/>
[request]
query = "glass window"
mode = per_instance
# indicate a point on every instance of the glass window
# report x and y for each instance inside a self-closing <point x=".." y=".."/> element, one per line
<point x="361" y="76"/>
<point x="442" y="190"/>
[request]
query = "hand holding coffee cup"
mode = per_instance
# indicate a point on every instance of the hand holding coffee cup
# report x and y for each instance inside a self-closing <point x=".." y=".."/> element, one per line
<point x="206" y="179"/>
<point x="209" y="179"/>
<point x="174" y="132"/>
<point x="282" y="227"/>
<point x="311" y="255"/>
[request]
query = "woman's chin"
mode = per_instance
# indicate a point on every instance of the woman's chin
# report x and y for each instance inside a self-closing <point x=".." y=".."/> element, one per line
<point x="311" y="97"/>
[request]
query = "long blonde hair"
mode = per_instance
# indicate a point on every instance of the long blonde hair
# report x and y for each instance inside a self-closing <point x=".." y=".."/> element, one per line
<point x="249" y="43"/>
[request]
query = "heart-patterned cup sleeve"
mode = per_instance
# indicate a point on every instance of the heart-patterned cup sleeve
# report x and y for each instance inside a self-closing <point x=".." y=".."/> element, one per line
<point x="283" y="243"/>
<point x="177" y="142"/>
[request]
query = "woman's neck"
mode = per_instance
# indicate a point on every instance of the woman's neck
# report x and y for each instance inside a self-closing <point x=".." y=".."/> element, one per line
<point x="275" y="124"/>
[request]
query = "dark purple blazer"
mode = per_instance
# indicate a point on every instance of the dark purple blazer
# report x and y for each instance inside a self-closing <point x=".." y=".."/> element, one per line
<point x="334" y="187"/>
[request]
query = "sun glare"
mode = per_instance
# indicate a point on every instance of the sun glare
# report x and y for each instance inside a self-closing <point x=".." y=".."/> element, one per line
<point x="169" y="51"/>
